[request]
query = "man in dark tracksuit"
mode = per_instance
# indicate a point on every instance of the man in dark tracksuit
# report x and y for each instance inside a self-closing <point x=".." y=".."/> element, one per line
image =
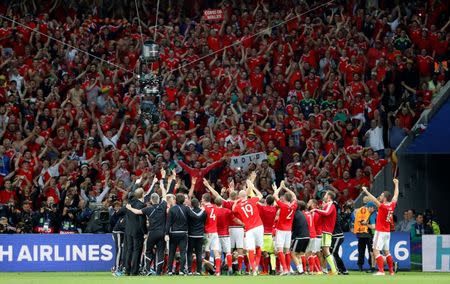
<point x="176" y="233"/>
<point x="196" y="231"/>
<point x="135" y="230"/>
<point x="117" y="221"/>
<point x="338" y="239"/>
<point x="156" y="214"/>
<point x="300" y="238"/>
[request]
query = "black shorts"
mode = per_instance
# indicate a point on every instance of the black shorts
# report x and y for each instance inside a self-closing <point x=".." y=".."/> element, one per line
<point x="299" y="245"/>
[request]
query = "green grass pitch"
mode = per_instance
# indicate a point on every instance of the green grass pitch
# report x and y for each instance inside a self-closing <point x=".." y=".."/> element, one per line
<point x="107" y="278"/>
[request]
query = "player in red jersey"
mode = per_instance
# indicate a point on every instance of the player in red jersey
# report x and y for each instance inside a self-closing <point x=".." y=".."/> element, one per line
<point x="288" y="206"/>
<point x="248" y="212"/>
<point x="224" y="217"/>
<point x="236" y="229"/>
<point x="211" y="236"/>
<point x="386" y="205"/>
<point x="315" y="239"/>
<point x="312" y="240"/>
<point x="268" y="214"/>
<point x="328" y="216"/>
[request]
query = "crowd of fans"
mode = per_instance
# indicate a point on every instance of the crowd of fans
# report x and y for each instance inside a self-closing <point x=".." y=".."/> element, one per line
<point x="326" y="94"/>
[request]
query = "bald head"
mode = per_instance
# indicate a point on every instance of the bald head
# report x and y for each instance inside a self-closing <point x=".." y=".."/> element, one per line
<point x="242" y="194"/>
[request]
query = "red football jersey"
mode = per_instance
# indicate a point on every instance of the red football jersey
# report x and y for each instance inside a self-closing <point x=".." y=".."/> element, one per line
<point x="229" y="205"/>
<point x="287" y="211"/>
<point x="268" y="215"/>
<point x="248" y="213"/>
<point x="311" y="227"/>
<point x="211" y="218"/>
<point x="317" y="223"/>
<point x="384" y="217"/>
<point x="224" y="218"/>
<point x="328" y="217"/>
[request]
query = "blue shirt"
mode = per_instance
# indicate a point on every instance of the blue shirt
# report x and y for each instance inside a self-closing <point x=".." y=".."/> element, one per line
<point x="5" y="162"/>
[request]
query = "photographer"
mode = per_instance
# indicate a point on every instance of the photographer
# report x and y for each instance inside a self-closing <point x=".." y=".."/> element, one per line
<point x="68" y="210"/>
<point x="69" y="222"/>
<point x="346" y="216"/>
<point x="24" y="218"/>
<point x="430" y="221"/>
<point x="420" y="228"/>
<point x="5" y="228"/>
<point x="45" y="220"/>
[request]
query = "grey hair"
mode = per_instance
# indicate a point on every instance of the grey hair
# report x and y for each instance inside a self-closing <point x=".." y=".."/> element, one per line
<point x="154" y="198"/>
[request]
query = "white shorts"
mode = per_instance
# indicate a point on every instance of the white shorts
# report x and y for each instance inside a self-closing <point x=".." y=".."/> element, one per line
<point x="212" y="242"/>
<point x="283" y="239"/>
<point x="381" y="240"/>
<point x="254" y="238"/>
<point x="225" y="244"/>
<point x="237" y="237"/>
<point x="313" y="245"/>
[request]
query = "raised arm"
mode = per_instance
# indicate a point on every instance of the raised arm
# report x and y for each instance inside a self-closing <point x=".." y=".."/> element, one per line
<point x="100" y="132"/>
<point x="251" y="186"/>
<point x="294" y="196"/>
<point x="276" y="191"/>
<point x="191" y="190"/>
<point x="152" y="186"/>
<point x="395" y="197"/>
<point x="371" y="197"/>
<point x="211" y="189"/>
<point x="212" y="166"/>
<point x="104" y="192"/>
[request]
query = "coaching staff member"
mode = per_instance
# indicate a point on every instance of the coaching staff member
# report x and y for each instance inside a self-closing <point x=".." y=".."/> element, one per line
<point x="197" y="218"/>
<point x="176" y="233"/>
<point x="156" y="215"/>
<point x="135" y="230"/>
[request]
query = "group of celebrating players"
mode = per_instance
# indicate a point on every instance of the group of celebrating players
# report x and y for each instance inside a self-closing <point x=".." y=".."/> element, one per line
<point x="268" y="235"/>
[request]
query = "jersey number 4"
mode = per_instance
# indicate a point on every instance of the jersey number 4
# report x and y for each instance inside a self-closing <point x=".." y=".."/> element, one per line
<point x="212" y="215"/>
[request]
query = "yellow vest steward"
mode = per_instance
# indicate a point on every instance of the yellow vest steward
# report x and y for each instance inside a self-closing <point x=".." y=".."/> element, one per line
<point x="361" y="214"/>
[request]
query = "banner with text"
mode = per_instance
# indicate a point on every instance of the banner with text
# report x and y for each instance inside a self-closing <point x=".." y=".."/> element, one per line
<point x="399" y="248"/>
<point x="78" y="252"/>
<point x="213" y="14"/>
<point x="436" y="253"/>
<point x="95" y="252"/>
<point x="242" y="162"/>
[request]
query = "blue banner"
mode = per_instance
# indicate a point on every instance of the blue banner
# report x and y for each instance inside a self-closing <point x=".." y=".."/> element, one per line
<point x="399" y="248"/>
<point x="78" y="252"/>
<point x="95" y="252"/>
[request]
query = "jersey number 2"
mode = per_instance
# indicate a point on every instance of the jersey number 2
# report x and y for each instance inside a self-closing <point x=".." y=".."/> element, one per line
<point x="289" y="216"/>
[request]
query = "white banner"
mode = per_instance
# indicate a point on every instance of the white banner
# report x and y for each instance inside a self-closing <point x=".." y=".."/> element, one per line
<point x="242" y="162"/>
<point x="213" y="14"/>
<point x="436" y="253"/>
